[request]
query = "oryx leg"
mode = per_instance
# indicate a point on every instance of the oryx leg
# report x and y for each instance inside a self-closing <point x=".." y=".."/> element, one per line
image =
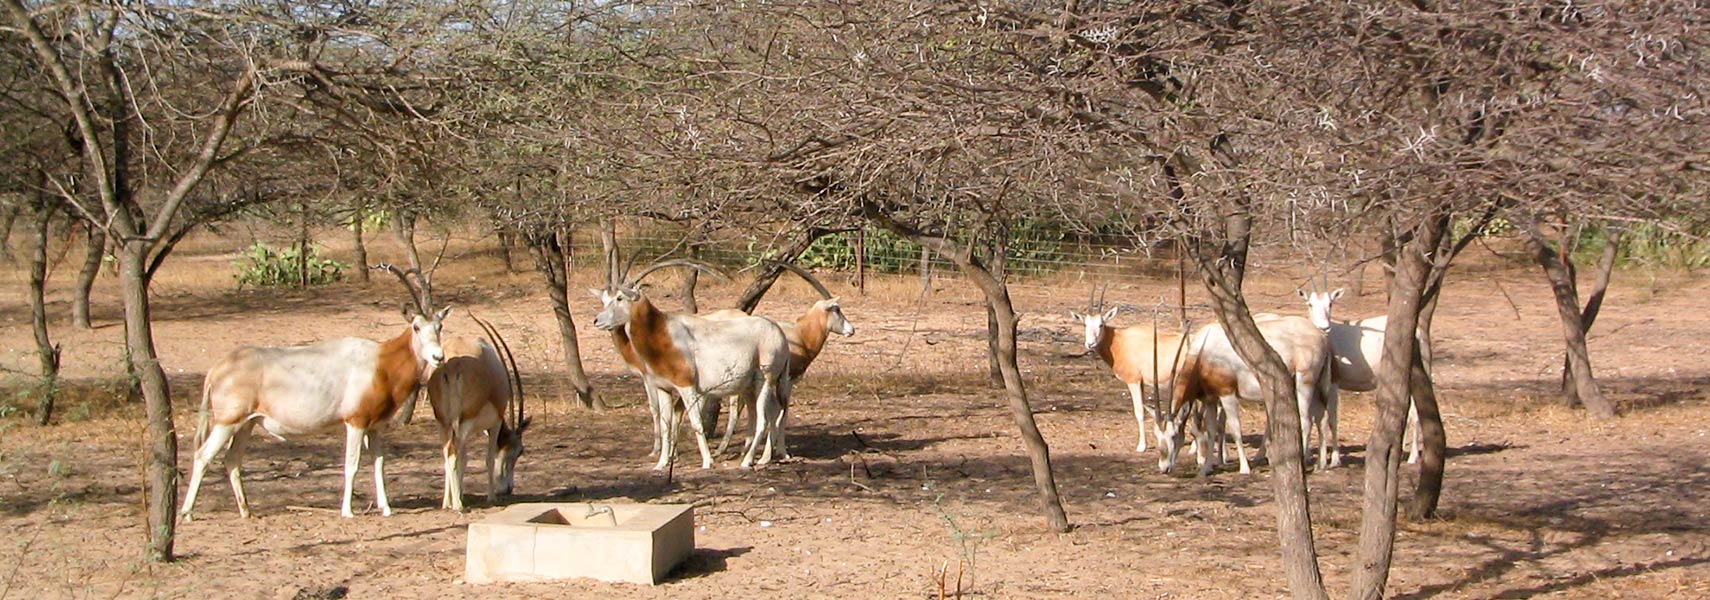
<point x="218" y="435"/>
<point x="653" y="414"/>
<point x="1232" y="428"/>
<point x="785" y="386"/>
<point x="1204" y="438"/>
<point x="735" y="411"/>
<point x="694" y="406"/>
<point x="667" y="428"/>
<point x="1413" y="427"/>
<point x="378" y="447"/>
<point x="234" y="465"/>
<point x="451" y="495"/>
<point x="764" y="406"/>
<point x="353" y="436"/>
<point x="1134" y="389"/>
<point x="1332" y="404"/>
<point x="1312" y="418"/>
<point x="492" y="455"/>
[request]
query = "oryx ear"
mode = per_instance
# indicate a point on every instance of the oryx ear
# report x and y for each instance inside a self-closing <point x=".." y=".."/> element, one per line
<point x="1302" y="293"/>
<point x="408" y="310"/>
<point x="524" y="423"/>
<point x="1077" y="316"/>
<point x="1336" y="294"/>
<point x="630" y="295"/>
<point x="440" y="316"/>
<point x="1111" y="314"/>
<point x="601" y="294"/>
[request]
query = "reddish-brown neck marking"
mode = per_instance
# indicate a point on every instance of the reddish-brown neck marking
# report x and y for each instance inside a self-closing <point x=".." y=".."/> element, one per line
<point x="1106" y="335"/>
<point x="811" y="331"/>
<point x="397" y="375"/>
<point x="652" y="342"/>
<point x="620" y="338"/>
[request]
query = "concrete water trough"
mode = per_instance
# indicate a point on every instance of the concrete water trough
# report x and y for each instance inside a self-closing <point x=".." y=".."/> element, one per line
<point x="634" y="543"/>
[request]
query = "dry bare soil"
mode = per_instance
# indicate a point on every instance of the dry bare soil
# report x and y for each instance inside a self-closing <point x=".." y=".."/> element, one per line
<point x="907" y="461"/>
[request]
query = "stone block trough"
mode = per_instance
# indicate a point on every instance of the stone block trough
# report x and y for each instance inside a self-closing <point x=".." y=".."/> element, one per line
<point x="633" y="543"/>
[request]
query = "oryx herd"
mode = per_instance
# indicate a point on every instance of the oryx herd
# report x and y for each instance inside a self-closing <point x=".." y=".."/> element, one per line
<point x="1198" y="374"/>
<point x="689" y="364"/>
<point x="696" y="365"/>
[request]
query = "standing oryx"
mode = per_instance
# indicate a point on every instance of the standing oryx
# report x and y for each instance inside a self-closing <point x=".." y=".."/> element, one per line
<point x="703" y="360"/>
<point x="475" y="390"/>
<point x="807" y="336"/>
<point x="1138" y="355"/>
<point x="1214" y="370"/>
<point x="1358" y="347"/>
<point x="350" y="382"/>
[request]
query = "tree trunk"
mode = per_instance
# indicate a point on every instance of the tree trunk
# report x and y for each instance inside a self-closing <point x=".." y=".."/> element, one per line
<point x="861" y="261"/>
<point x="1383" y="450"/>
<point x="1556" y="269"/>
<point x="507" y="241"/>
<point x="303" y="245"/>
<point x="160" y="457"/>
<point x="552" y="256"/>
<point x="1283" y="442"/>
<point x="45" y="350"/>
<point x="357" y="221"/>
<point x="1223" y="272"/>
<point x="925" y="272"/>
<point x="8" y="216"/>
<point x="997" y="294"/>
<point x="423" y="280"/>
<point x="94" y="250"/>
<point x="999" y="263"/>
<point x="1432" y="436"/>
<point x="1593" y="305"/>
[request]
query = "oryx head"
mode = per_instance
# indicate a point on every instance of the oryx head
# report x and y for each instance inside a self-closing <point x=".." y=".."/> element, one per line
<point x="424" y="339"/>
<point x="614" y="303"/>
<point x="1094" y="325"/>
<point x="1319" y="298"/>
<point x="515" y="421"/>
<point x="1095" y="319"/>
<point x="835" y="321"/>
<point x="1318" y="305"/>
<point x="424" y="320"/>
<point x="617" y="298"/>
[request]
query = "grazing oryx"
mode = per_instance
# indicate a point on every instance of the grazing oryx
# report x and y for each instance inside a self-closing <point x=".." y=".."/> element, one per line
<point x="1358" y="348"/>
<point x="703" y="360"/>
<point x="477" y="389"/>
<point x="351" y="382"/>
<point x="1138" y="355"/>
<point x="807" y="337"/>
<point x="1214" y="369"/>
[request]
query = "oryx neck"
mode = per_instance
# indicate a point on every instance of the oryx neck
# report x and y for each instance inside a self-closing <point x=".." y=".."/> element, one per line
<point x="1106" y="335"/>
<point x="813" y="329"/>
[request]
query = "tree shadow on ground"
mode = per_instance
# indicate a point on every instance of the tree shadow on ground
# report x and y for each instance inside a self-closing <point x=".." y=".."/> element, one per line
<point x="1610" y="502"/>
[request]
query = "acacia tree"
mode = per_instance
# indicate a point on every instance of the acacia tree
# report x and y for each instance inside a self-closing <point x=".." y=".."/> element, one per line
<point x="195" y="71"/>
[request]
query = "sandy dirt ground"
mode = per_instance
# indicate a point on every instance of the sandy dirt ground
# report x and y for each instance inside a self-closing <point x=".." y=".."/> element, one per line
<point x="907" y="461"/>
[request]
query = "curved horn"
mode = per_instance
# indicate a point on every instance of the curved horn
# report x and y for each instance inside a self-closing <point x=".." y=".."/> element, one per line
<point x="824" y="294"/>
<point x="415" y="295"/>
<point x="510" y="362"/>
<point x="679" y="262"/>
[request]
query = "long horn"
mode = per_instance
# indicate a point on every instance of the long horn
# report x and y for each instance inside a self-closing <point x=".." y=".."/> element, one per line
<point x="510" y="362"/>
<point x="415" y="294"/>
<point x="679" y="262"/>
<point x="805" y="275"/>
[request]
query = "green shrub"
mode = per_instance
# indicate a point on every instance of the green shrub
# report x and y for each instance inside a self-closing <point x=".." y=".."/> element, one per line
<point x="264" y="266"/>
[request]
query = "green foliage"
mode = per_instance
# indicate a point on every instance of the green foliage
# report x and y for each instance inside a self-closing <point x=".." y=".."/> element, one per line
<point x="1648" y="244"/>
<point x="264" y="266"/>
<point x="886" y="252"/>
